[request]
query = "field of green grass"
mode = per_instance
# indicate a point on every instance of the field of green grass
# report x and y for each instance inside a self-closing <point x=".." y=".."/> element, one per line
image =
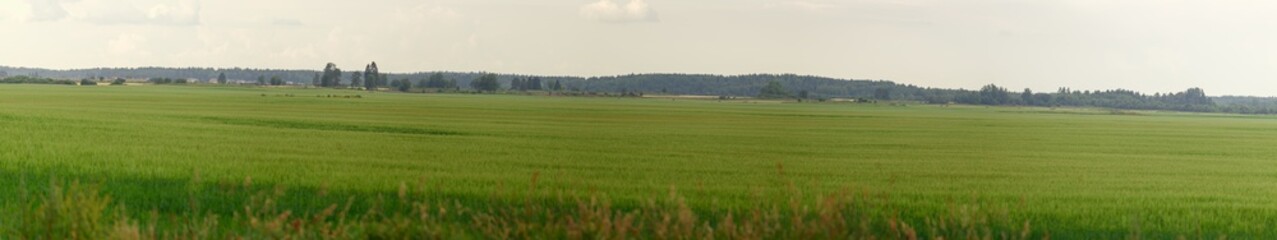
<point x="1076" y="173"/>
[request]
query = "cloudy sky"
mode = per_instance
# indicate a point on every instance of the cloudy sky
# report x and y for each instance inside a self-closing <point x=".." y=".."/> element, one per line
<point x="1224" y="46"/>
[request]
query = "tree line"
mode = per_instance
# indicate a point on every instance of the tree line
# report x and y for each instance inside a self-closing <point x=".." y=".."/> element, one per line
<point x="372" y="79"/>
<point x="34" y="80"/>
<point x="1192" y="99"/>
<point x="789" y="86"/>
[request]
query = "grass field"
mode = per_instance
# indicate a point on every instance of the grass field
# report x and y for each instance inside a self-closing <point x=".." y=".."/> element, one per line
<point x="1077" y="173"/>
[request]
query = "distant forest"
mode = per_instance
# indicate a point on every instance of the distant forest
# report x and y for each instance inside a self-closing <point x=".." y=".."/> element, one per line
<point x="801" y="87"/>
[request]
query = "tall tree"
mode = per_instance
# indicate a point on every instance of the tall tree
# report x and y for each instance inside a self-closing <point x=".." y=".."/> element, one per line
<point x="221" y="78"/>
<point x="332" y="76"/>
<point x="372" y="77"/>
<point x="356" y="79"/>
<point x="326" y="78"/>
<point x="1027" y="97"/>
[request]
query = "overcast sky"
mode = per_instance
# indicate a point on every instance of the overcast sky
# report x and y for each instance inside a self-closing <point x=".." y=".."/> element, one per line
<point x="1224" y="46"/>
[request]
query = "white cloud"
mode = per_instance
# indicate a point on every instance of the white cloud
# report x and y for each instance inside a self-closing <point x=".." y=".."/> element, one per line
<point x="216" y="42"/>
<point x="178" y="13"/>
<point x="297" y="53"/>
<point x="127" y="44"/>
<point x="611" y="11"/>
<point x="46" y="10"/>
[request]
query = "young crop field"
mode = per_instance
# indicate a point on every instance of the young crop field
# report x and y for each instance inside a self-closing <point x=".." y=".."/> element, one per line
<point x="1072" y="173"/>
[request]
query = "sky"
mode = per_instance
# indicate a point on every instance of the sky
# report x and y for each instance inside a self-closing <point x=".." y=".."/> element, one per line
<point x="1228" y="47"/>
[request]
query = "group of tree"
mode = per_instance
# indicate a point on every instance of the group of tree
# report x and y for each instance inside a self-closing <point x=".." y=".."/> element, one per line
<point x="629" y="93"/>
<point x="741" y="85"/>
<point x="168" y="81"/>
<point x="194" y="75"/>
<point x="1193" y="99"/>
<point x="486" y="83"/>
<point x="811" y="87"/>
<point x="371" y="78"/>
<point x="272" y="81"/>
<point x="556" y="86"/>
<point x="402" y="85"/>
<point x="437" y="81"/>
<point x="331" y="76"/>
<point x="525" y="84"/>
<point x="1247" y="105"/>
<point x="773" y="90"/>
<point x="34" y="80"/>
<point x="458" y="80"/>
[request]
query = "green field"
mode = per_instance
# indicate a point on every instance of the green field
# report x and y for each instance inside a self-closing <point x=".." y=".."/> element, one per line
<point x="1072" y="172"/>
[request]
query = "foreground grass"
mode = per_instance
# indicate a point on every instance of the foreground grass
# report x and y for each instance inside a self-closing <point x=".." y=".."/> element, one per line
<point x="1077" y="173"/>
<point x="78" y="211"/>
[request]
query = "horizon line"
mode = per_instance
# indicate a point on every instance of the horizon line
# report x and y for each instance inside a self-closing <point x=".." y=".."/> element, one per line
<point x="595" y="76"/>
